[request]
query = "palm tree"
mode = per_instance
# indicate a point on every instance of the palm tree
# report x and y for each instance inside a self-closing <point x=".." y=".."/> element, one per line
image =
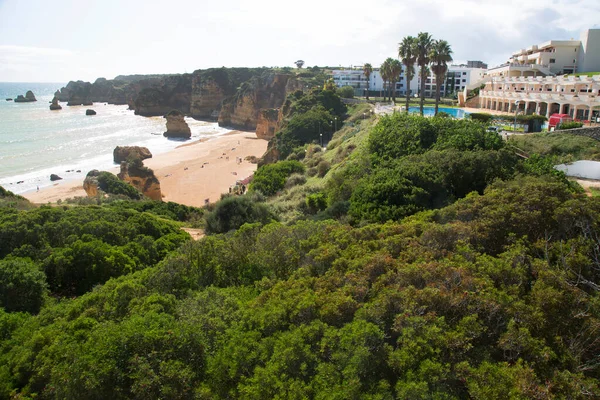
<point x="407" y="51"/>
<point x="395" y="71"/>
<point x="440" y="55"/>
<point x="384" y="71"/>
<point x="424" y="43"/>
<point x="367" y="70"/>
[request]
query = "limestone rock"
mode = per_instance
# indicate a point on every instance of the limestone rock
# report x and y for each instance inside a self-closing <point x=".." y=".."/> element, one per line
<point x="90" y="112"/>
<point x="90" y="183"/>
<point x="271" y="155"/>
<point x="142" y="178"/>
<point x="76" y="93"/>
<point x="130" y="153"/>
<point x="29" y="97"/>
<point x="159" y="96"/>
<point x="54" y="177"/>
<point x="9" y="99"/>
<point x="268" y="123"/>
<point x="55" y="105"/>
<point x="268" y="91"/>
<point x="176" y="125"/>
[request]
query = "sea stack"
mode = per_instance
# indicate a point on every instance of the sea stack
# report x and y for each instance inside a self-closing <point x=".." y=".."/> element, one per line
<point x="29" y="97"/>
<point x="176" y="125"/>
<point x="130" y="153"/>
<point x="89" y="111"/>
<point x="55" y="105"/>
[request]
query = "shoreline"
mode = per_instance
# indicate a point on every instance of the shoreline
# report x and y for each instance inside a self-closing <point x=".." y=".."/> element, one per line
<point x="189" y="174"/>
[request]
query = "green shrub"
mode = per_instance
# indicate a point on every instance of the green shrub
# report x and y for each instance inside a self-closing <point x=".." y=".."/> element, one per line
<point x="22" y="285"/>
<point x="235" y="211"/>
<point x="346" y="92"/>
<point x="110" y="184"/>
<point x="569" y="125"/>
<point x="316" y="202"/>
<point x="323" y="168"/>
<point x="270" y="178"/>
<point x="483" y="117"/>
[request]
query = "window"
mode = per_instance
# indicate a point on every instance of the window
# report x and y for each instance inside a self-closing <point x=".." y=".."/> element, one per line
<point x="552" y="60"/>
<point x="464" y="73"/>
<point x="464" y="80"/>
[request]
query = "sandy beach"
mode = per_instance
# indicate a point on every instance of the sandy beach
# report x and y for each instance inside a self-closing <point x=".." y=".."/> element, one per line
<point x="189" y="175"/>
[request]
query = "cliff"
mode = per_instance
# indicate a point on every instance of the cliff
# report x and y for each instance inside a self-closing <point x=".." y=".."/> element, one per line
<point x="164" y="95"/>
<point x="265" y="92"/>
<point x="212" y="86"/>
<point x="268" y="123"/>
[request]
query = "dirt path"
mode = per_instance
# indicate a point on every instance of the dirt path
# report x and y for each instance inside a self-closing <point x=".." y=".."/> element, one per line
<point x="196" y="234"/>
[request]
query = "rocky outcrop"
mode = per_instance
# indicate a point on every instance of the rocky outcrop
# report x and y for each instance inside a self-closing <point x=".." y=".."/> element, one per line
<point x="55" y="105"/>
<point x="242" y="111"/>
<point x="29" y="97"/>
<point x="130" y="153"/>
<point x="54" y="177"/>
<point x="90" y="183"/>
<point x="271" y="155"/>
<point x="90" y="112"/>
<point x="268" y="123"/>
<point x="170" y="93"/>
<point x="76" y="93"/>
<point x="142" y="178"/>
<point x="9" y="99"/>
<point x="176" y="125"/>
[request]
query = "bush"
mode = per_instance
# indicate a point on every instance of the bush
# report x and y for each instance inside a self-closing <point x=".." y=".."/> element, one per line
<point x="270" y="178"/>
<point x="569" y="125"/>
<point x="483" y="117"/>
<point x="323" y="168"/>
<point x="346" y="92"/>
<point x="294" y="180"/>
<point x="316" y="202"/>
<point x="22" y="285"/>
<point x="110" y="184"/>
<point x="233" y="212"/>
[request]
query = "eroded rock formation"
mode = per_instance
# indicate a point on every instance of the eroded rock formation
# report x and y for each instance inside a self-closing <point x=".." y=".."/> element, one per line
<point x="268" y="123"/>
<point x="142" y="178"/>
<point x="265" y="92"/>
<point x="29" y="97"/>
<point x="130" y="153"/>
<point x="176" y="125"/>
<point x="55" y="105"/>
<point x="90" y="183"/>
<point x="90" y="112"/>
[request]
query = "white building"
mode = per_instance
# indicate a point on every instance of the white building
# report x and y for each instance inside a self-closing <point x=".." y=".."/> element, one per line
<point x="457" y="78"/>
<point x="578" y="96"/>
<point x="554" y="57"/>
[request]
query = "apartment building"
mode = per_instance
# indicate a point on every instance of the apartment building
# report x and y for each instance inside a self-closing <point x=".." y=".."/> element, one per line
<point x="554" y="57"/>
<point x="458" y="77"/>
<point x="576" y="96"/>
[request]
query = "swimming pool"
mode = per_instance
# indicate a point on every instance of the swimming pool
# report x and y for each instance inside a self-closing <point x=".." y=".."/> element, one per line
<point x="429" y="111"/>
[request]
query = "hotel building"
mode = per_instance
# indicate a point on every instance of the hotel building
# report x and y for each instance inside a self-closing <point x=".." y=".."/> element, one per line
<point x="533" y="81"/>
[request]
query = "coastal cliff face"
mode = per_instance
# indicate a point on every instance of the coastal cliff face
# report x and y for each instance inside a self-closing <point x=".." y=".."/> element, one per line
<point x="170" y="93"/>
<point x="207" y="97"/>
<point x="243" y="110"/>
<point x="268" y="123"/>
<point x="142" y="178"/>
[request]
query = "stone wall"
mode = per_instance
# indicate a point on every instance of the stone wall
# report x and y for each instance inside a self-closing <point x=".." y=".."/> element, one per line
<point x="591" y="132"/>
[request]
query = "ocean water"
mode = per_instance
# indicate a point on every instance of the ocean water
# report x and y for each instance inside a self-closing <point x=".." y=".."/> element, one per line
<point x="36" y="142"/>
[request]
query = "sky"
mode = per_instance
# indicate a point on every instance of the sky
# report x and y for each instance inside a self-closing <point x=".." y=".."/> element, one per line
<point x="62" y="40"/>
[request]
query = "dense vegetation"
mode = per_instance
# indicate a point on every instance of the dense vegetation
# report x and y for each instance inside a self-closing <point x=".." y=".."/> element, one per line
<point x="427" y="261"/>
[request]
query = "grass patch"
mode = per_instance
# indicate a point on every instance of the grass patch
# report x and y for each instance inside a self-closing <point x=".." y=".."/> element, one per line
<point x="563" y="146"/>
<point x="595" y="190"/>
